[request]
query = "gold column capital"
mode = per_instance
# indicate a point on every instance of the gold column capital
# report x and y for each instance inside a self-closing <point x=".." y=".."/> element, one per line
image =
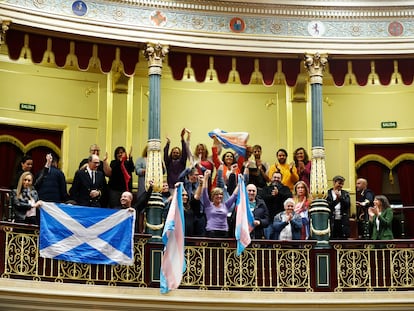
<point x="4" y="27"/>
<point x="315" y="64"/>
<point x="155" y="53"/>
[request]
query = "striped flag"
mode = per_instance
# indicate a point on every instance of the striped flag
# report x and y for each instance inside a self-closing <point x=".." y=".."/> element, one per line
<point x="234" y="140"/>
<point x="173" y="263"/>
<point x="244" y="218"/>
<point x="84" y="234"/>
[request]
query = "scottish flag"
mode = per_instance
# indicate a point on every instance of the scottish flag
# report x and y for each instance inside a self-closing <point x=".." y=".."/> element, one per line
<point x="173" y="263"/>
<point x="90" y="235"/>
<point x="244" y="218"/>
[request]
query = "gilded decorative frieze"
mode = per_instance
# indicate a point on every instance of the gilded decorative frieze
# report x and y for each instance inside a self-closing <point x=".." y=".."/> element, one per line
<point x="260" y="19"/>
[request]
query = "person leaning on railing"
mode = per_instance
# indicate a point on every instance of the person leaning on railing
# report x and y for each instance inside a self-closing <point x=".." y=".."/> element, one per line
<point x="25" y="200"/>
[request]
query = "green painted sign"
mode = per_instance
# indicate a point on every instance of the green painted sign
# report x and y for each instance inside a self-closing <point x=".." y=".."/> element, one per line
<point x="27" y="107"/>
<point x="389" y="124"/>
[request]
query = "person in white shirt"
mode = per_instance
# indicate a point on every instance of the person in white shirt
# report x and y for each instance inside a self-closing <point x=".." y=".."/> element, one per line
<point x="287" y="225"/>
<point x="339" y="203"/>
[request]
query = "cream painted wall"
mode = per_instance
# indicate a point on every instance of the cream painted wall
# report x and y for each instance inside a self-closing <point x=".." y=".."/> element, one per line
<point x="72" y="101"/>
<point x="353" y="114"/>
<point x="203" y="107"/>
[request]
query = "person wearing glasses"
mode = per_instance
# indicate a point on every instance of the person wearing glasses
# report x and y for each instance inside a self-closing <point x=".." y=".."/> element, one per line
<point x="89" y="185"/>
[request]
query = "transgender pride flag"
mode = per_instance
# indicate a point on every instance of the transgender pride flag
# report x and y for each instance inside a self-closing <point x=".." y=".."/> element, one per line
<point x="244" y="218"/>
<point x="173" y="263"/>
<point x="234" y="140"/>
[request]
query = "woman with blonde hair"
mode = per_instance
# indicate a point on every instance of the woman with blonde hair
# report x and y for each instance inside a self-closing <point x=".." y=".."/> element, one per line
<point x="303" y="200"/>
<point x="25" y="200"/>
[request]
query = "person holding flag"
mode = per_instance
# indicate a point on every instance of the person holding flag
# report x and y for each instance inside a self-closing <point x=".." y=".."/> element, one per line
<point x="173" y="263"/>
<point x="216" y="210"/>
<point x="260" y="212"/>
<point x="245" y="222"/>
<point x="236" y="141"/>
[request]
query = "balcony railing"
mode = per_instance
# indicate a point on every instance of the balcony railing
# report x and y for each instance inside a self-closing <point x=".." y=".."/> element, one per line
<point x="351" y="265"/>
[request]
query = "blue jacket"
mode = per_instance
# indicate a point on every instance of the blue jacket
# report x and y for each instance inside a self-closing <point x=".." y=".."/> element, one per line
<point x="279" y="225"/>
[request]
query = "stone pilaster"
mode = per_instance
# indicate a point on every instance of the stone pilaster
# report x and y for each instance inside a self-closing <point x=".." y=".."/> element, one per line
<point x="4" y="27"/>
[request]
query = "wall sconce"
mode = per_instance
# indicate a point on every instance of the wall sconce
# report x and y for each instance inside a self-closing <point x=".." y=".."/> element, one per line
<point x="328" y="101"/>
<point x="271" y="102"/>
<point x="89" y="91"/>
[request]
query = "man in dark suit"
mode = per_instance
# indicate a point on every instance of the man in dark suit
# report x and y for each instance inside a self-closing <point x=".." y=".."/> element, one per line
<point x="89" y="184"/>
<point x="260" y="212"/>
<point x="274" y="195"/>
<point x="339" y="203"/>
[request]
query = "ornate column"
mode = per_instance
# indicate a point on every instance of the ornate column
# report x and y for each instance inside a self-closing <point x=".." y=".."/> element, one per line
<point x="319" y="211"/>
<point x="155" y="54"/>
<point x="4" y="27"/>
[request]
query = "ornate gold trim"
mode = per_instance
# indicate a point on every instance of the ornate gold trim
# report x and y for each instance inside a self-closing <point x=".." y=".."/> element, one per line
<point x="33" y="144"/>
<point x="384" y="161"/>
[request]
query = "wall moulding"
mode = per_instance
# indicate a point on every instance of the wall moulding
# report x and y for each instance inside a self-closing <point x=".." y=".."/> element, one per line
<point x="351" y="27"/>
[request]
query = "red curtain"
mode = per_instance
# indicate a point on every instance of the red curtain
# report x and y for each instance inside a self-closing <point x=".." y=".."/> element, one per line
<point x="405" y="172"/>
<point x="372" y="172"/>
<point x="12" y="155"/>
<point x="10" y="158"/>
<point x="200" y="62"/>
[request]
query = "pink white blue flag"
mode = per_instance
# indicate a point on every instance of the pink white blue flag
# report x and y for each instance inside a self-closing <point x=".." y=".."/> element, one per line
<point x="244" y="218"/>
<point x="173" y="263"/>
<point x="234" y="140"/>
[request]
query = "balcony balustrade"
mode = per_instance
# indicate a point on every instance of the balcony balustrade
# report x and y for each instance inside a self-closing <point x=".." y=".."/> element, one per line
<point x="212" y="264"/>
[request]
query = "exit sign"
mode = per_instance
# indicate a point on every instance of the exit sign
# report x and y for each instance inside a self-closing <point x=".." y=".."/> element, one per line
<point x="27" y="107"/>
<point x="389" y="124"/>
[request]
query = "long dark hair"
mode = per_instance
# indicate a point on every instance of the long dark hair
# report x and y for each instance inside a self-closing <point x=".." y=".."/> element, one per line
<point x="305" y="158"/>
<point x="117" y="149"/>
<point x="224" y="155"/>
<point x="384" y="201"/>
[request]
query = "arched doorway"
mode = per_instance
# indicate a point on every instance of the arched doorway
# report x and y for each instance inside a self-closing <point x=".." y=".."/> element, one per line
<point x="17" y="141"/>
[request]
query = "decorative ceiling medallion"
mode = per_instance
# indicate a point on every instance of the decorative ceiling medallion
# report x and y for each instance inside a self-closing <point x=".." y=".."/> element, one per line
<point x="119" y="15"/>
<point x="276" y="28"/>
<point x="158" y="18"/>
<point x="316" y="29"/>
<point x="39" y="3"/>
<point x="79" y="8"/>
<point x="237" y="24"/>
<point x="395" y="29"/>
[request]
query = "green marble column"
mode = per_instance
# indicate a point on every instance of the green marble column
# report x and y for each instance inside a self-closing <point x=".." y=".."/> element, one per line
<point x="155" y="54"/>
<point x="319" y="211"/>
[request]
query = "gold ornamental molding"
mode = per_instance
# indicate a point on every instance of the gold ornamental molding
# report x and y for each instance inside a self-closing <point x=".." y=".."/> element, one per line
<point x="269" y="26"/>
<point x="388" y="164"/>
<point x="380" y="159"/>
<point x="33" y="144"/>
<point x="309" y="9"/>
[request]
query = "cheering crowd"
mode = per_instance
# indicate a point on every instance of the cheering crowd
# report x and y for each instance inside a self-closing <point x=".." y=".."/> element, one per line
<point x="278" y="195"/>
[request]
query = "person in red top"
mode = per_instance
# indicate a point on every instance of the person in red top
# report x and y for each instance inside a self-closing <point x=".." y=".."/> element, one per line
<point x="228" y="159"/>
